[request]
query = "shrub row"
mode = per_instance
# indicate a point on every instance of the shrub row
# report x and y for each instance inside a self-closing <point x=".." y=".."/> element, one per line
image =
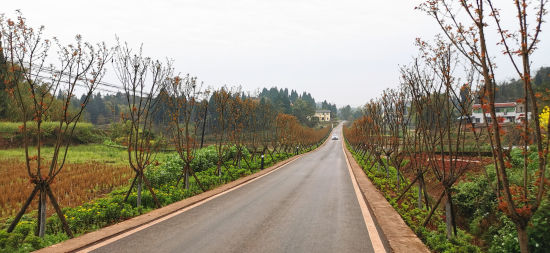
<point x="112" y="208"/>
<point x="83" y="133"/>
<point x="434" y="236"/>
<point x="475" y="204"/>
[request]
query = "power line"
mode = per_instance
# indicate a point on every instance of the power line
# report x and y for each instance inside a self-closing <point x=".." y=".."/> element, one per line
<point x="80" y="85"/>
<point x="106" y="85"/>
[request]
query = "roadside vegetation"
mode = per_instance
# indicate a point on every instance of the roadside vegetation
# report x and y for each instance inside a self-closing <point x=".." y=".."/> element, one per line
<point x="465" y="185"/>
<point x="111" y="207"/>
<point x="163" y="136"/>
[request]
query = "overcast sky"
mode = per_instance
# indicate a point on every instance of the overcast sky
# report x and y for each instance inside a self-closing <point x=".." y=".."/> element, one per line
<point x="344" y="51"/>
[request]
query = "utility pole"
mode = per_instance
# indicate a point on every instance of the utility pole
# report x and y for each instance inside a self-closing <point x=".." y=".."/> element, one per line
<point x="204" y="123"/>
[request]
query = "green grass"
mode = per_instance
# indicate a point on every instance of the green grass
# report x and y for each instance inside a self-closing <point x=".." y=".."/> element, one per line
<point x="13" y="127"/>
<point x="112" y="208"/>
<point x="80" y="154"/>
<point x="433" y="237"/>
<point x="83" y="133"/>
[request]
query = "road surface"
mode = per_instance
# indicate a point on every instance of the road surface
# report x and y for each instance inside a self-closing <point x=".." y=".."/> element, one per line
<point x="309" y="205"/>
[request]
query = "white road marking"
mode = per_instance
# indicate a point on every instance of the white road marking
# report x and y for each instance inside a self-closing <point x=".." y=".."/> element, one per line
<point x="135" y="230"/>
<point x="375" y="239"/>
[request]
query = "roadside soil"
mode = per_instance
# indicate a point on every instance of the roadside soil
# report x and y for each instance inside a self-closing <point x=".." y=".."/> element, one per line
<point x="475" y="167"/>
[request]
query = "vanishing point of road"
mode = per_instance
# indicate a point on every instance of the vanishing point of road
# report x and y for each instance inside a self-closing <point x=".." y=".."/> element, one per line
<point x="308" y="205"/>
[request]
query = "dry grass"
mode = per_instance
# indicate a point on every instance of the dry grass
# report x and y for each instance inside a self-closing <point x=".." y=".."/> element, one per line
<point x="77" y="183"/>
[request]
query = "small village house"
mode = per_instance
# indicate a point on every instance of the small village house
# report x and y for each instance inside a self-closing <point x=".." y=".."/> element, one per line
<point x="322" y="115"/>
<point x="510" y="112"/>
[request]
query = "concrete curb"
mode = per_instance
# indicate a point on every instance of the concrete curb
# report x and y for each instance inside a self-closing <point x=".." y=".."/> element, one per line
<point x="399" y="237"/>
<point x="89" y="239"/>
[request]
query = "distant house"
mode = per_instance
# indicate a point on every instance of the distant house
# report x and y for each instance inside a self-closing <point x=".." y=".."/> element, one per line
<point x="510" y="112"/>
<point x="322" y="115"/>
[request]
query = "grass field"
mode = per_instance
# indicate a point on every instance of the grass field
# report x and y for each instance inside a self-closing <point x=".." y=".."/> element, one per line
<point x="11" y="136"/>
<point x="97" y="153"/>
<point x="91" y="171"/>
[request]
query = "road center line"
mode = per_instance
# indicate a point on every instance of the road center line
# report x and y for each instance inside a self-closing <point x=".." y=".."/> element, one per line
<point x="375" y="239"/>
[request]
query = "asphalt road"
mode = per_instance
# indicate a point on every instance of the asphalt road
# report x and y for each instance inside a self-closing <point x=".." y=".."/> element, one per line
<point x="309" y="205"/>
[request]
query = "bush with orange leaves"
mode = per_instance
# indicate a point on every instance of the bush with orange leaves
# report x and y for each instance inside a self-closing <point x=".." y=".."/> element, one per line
<point x="291" y="134"/>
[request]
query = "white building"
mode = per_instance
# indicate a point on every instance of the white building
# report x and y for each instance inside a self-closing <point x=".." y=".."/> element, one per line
<point x="322" y="115"/>
<point x="510" y="112"/>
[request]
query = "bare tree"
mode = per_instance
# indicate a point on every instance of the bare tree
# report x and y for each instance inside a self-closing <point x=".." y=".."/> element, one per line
<point x="441" y="114"/>
<point x="79" y="67"/>
<point x="184" y="107"/>
<point x="468" y="34"/>
<point x="221" y="102"/>
<point x="239" y="116"/>
<point x="266" y="124"/>
<point x="414" y="78"/>
<point x="521" y="44"/>
<point x="376" y="135"/>
<point x="397" y="120"/>
<point x="142" y="78"/>
<point x="253" y="127"/>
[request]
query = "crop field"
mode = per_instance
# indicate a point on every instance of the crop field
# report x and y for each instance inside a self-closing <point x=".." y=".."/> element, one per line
<point x="91" y="171"/>
<point x="434" y="188"/>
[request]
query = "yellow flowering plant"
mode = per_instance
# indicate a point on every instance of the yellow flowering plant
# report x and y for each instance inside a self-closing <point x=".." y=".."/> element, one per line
<point x="544" y="117"/>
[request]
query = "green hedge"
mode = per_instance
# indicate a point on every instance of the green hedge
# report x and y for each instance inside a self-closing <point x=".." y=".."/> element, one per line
<point x="436" y="239"/>
<point x="476" y="204"/>
<point x="475" y="200"/>
<point x="83" y="133"/>
<point x="112" y="208"/>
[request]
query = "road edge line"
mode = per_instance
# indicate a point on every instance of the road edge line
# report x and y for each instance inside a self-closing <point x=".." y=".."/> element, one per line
<point x="372" y="227"/>
<point x="173" y="214"/>
<point x="87" y="240"/>
<point x="398" y="235"/>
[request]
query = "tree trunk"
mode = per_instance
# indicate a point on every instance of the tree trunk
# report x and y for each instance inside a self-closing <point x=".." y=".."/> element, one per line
<point x="426" y="196"/>
<point x="131" y="187"/>
<point x="181" y="176"/>
<point x="23" y="209"/>
<point x="371" y="164"/>
<point x="453" y="215"/>
<point x="419" y="201"/>
<point x="59" y="212"/>
<point x="39" y="216"/>
<point x="197" y="179"/>
<point x="271" y="154"/>
<point x="204" y="124"/>
<point x="398" y="180"/>
<point x="448" y="219"/>
<point x="185" y="176"/>
<point x="523" y="239"/>
<point x="138" y="200"/>
<point x="148" y="185"/>
<point x="186" y="179"/>
<point x="449" y="215"/>
<point x="433" y="209"/>
<point x="219" y="169"/>
<point x="239" y="160"/>
<point x="42" y="212"/>
<point x="247" y="163"/>
<point x="408" y="188"/>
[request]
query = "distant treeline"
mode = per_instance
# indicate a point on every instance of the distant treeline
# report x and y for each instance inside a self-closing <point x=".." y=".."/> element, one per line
<point x="512" y="90"/>
<point x="507" y="91"/>
<point x="108" y="108"/>
<point x="302" y="106"/>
